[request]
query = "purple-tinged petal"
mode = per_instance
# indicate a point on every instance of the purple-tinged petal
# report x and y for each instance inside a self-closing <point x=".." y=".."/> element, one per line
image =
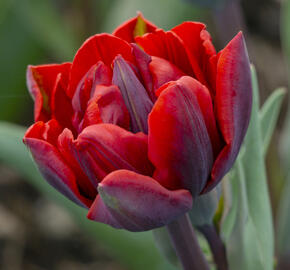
<point x="233" y="104"/>
<point x="179" y="143"/>
<point x="137" y="202"/>
<point x="66" y="148"/>
<point x="54" y="170"/>
<point x="103" y="148"/>
<point x="97" y="74"/>
<point x="143" y="60"/>
<point x="134" y="94"/>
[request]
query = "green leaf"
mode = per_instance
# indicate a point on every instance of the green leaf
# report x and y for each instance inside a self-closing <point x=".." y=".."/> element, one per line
<point x="269" y="115"/>
<point x="120" y="243"/>
<point x="248" y="230"/>
<point x="283" y="222"/>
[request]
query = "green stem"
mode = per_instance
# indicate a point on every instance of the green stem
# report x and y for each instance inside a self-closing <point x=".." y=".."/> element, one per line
<point x="186" y="244"/>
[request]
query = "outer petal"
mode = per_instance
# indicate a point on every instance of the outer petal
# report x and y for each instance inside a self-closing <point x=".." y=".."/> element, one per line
<point x="199" y="49"/>
<point x="53" y="168"/>
<point x="179" y="144"/>
<point x="137" y="203"/>
<point x="66" y="148"/>
<point x="205" y="103"/>
<point x="129" y="29"/>
<point x="41" y="82"/>
<point x="166" y="45"/>
<point x="233" y="104"/>
<point x="104" y="148"/>
<point x="101" y="47"/>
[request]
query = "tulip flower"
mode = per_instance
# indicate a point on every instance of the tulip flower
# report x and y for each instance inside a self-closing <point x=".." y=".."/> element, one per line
<point x="141" y="122"/>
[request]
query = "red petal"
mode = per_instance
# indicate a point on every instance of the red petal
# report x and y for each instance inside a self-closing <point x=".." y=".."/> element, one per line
<point x="200" y="49"/>
<point x="107" y="106"/>
<point x="126" y="30"/>
<point x="104" y="148"/>
<point x="179" y="144"/>
<point x="101" y="47"/>
<point x="137" y="202"/>
<point x="166" y="45"/>
<point x="66" y="148"/>
<point x="54" y="170"/>
<point x="233" y="103"/>
<point x="143" y="60"/>
<point x="97" y="74"/>
<point x="61" y="107"/>
<point x="163" y="71"/>
<point x="134" y="95"/>
<point x="48" y="131"/>
<point x="205" y="103"/>
<point x="41" y="82"/>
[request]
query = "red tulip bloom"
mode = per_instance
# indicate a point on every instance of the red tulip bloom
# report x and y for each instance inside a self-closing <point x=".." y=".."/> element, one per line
<point x="141" y="122"/>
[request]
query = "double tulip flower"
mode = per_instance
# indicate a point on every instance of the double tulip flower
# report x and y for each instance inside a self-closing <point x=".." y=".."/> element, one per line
<point x="141" y="122"/>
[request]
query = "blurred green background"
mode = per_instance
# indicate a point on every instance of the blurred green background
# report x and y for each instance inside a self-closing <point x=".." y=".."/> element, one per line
<point x="36" y="232"/>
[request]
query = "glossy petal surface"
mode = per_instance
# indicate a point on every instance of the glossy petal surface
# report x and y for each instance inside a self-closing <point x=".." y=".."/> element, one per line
<point x="163" y="71"/>
<point x="104" y="148"/>
<point x="131" y="28"/>
<point x="107" y="106"/>
<point x="137" y="202"/>
<point x="134" y="94"/>
<point x="233" y="104"/>
<point x="166" y="45"/>
<point x="40" y="83"/>
<point x="101" y="47"/>
<point x="179" y="144"/>
<point x="54" y="169"/>
<point x="199" y="49"/>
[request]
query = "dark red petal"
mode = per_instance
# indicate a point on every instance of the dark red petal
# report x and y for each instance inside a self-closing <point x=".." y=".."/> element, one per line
<point x="179" y="144"/>
<point x="54" y="170"/>
<point x="48" y="131"/>
<point x="205" y="103"/>
<point x="163" y="71"/>
<point x="66" y="148"/>
<point x="127" y="30"/>
<point x="61" y="107"/>
<point x="104" y="148"/>
<point x="134" y="94"/>
<point x="101" y="47"/>
<point x="99" y="212"/>
<point x="166" y="45"/>
<point x="233" y="104"/>
<point x="137" y="202"/>
<point x="41" y="82"/>
<point x="143" y="60"/>
<point x="107" y="106"/>
<point x="97" y="74"/>
<point x="199" y="48"/>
